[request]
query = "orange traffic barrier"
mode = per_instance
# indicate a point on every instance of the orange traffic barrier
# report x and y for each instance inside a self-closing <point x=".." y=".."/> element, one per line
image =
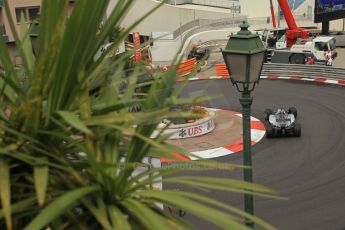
<point x="186" y="67"/>
<point x="221" y="70"/>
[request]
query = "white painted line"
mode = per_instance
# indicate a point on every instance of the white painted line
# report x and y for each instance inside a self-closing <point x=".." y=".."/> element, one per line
<point x="335" y="82"/>
<point x="257" y="135"/>
<point x="213" y="109"/>
<point x="285" y="78"/>
<point x="210" y="153"/>
<point x="215" y="77"/>
<point x="251" y="117"/>
<point x="307" y="79"/>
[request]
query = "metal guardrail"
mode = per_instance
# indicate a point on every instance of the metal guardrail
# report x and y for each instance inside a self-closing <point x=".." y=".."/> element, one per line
<point x="309" y="71"/>
<point x="187" y="26"/>
<point x="206" y="24"/>
<point x="215" y="24"/>
<point x="228" y="4"/>
<point x="200" y="25"/>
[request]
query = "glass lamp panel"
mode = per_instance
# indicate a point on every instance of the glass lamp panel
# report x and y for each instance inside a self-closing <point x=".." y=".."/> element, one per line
<point x="256" y="61"/>
<point x="237" y="66"/>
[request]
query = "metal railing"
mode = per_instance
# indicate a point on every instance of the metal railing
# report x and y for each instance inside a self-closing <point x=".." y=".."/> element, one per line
<point x="200" y="25"/>
<point x="187" y="26"/>
<point x="214" y="25"/>
<point x="308" y="71"/>
<point x="232" y="5"/>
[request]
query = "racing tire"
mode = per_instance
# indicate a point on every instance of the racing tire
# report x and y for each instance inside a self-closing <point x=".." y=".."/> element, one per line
<point x="297" y="130"/>
<point x="269" y="131"/>
<point x="267" y="113"/>
<point x="297" y="59"/>
<point x="293" y="110"/>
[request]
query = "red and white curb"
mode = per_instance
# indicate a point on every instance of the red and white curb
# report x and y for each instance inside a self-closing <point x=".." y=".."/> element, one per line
<point x="208" y="78"/>
<point x="257" y="133"/>
<point x="201" y="78"/>
<point x="314" y="79"/>
<point x="273" y="77"/>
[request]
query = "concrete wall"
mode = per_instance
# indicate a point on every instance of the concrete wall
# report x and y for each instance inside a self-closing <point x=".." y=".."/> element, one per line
<point x="164" y="51"/>
<point x="257" y="8"/>
<point x="179" y="1"/>
<point x="167" y="18"/>
<point x="262" y="8"/>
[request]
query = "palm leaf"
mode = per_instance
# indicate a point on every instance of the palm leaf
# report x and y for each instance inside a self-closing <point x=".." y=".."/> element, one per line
<point x="74" y="121"/>
<point x="59" y="206"/>
<point x="145" y="215"/>
<point x="118" y="219"/>
<point x="187" y="201"/>
<point x="21" y="206"/>
<point x="98" y="213"/>
<point x="212" y="215"/>
<point x="74" y="56"/>
<point x="5" y="191"/>
<point x="41" y="176"/>
<point x="223" y="184"/>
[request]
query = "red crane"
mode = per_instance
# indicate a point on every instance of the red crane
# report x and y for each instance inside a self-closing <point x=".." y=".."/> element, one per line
<point x="272" y="15"/>
<point x="293" y="32"/>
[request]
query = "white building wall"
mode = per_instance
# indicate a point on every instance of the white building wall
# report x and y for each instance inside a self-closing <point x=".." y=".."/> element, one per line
<point x="257" y="8"/>
<point x="167" y="18"/>
<point x="164" y="51"/>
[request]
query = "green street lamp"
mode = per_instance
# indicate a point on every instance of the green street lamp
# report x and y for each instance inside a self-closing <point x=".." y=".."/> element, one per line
<point x="244" y="55"/>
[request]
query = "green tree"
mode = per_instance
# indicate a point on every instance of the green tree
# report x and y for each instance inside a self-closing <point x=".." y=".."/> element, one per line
<point x="61" y="147"/>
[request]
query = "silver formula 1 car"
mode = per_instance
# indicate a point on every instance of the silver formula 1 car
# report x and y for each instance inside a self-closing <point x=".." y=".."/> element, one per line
<point x="282" y="123"/>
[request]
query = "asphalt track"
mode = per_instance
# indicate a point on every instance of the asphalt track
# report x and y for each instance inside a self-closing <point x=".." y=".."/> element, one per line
<point x="309" y="170"/>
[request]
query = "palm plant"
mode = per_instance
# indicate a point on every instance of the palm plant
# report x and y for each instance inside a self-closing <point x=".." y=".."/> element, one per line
<point x="67" y="158"/>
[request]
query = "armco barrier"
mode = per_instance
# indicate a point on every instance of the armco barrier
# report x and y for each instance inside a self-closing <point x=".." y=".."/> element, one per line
<point x="311" y="71"/>
<point x="221" y="70"/>
<point x="294" y="70"/>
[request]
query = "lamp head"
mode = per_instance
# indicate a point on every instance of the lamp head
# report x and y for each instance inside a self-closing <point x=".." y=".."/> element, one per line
<point x="244" y="55"/>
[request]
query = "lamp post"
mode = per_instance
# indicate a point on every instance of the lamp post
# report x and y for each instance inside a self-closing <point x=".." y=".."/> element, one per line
<point x="244" y="56"/>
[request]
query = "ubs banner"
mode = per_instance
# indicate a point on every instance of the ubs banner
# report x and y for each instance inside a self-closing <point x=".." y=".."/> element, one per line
<point x="192" y="130"/>
<point x="136" y="44"/>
